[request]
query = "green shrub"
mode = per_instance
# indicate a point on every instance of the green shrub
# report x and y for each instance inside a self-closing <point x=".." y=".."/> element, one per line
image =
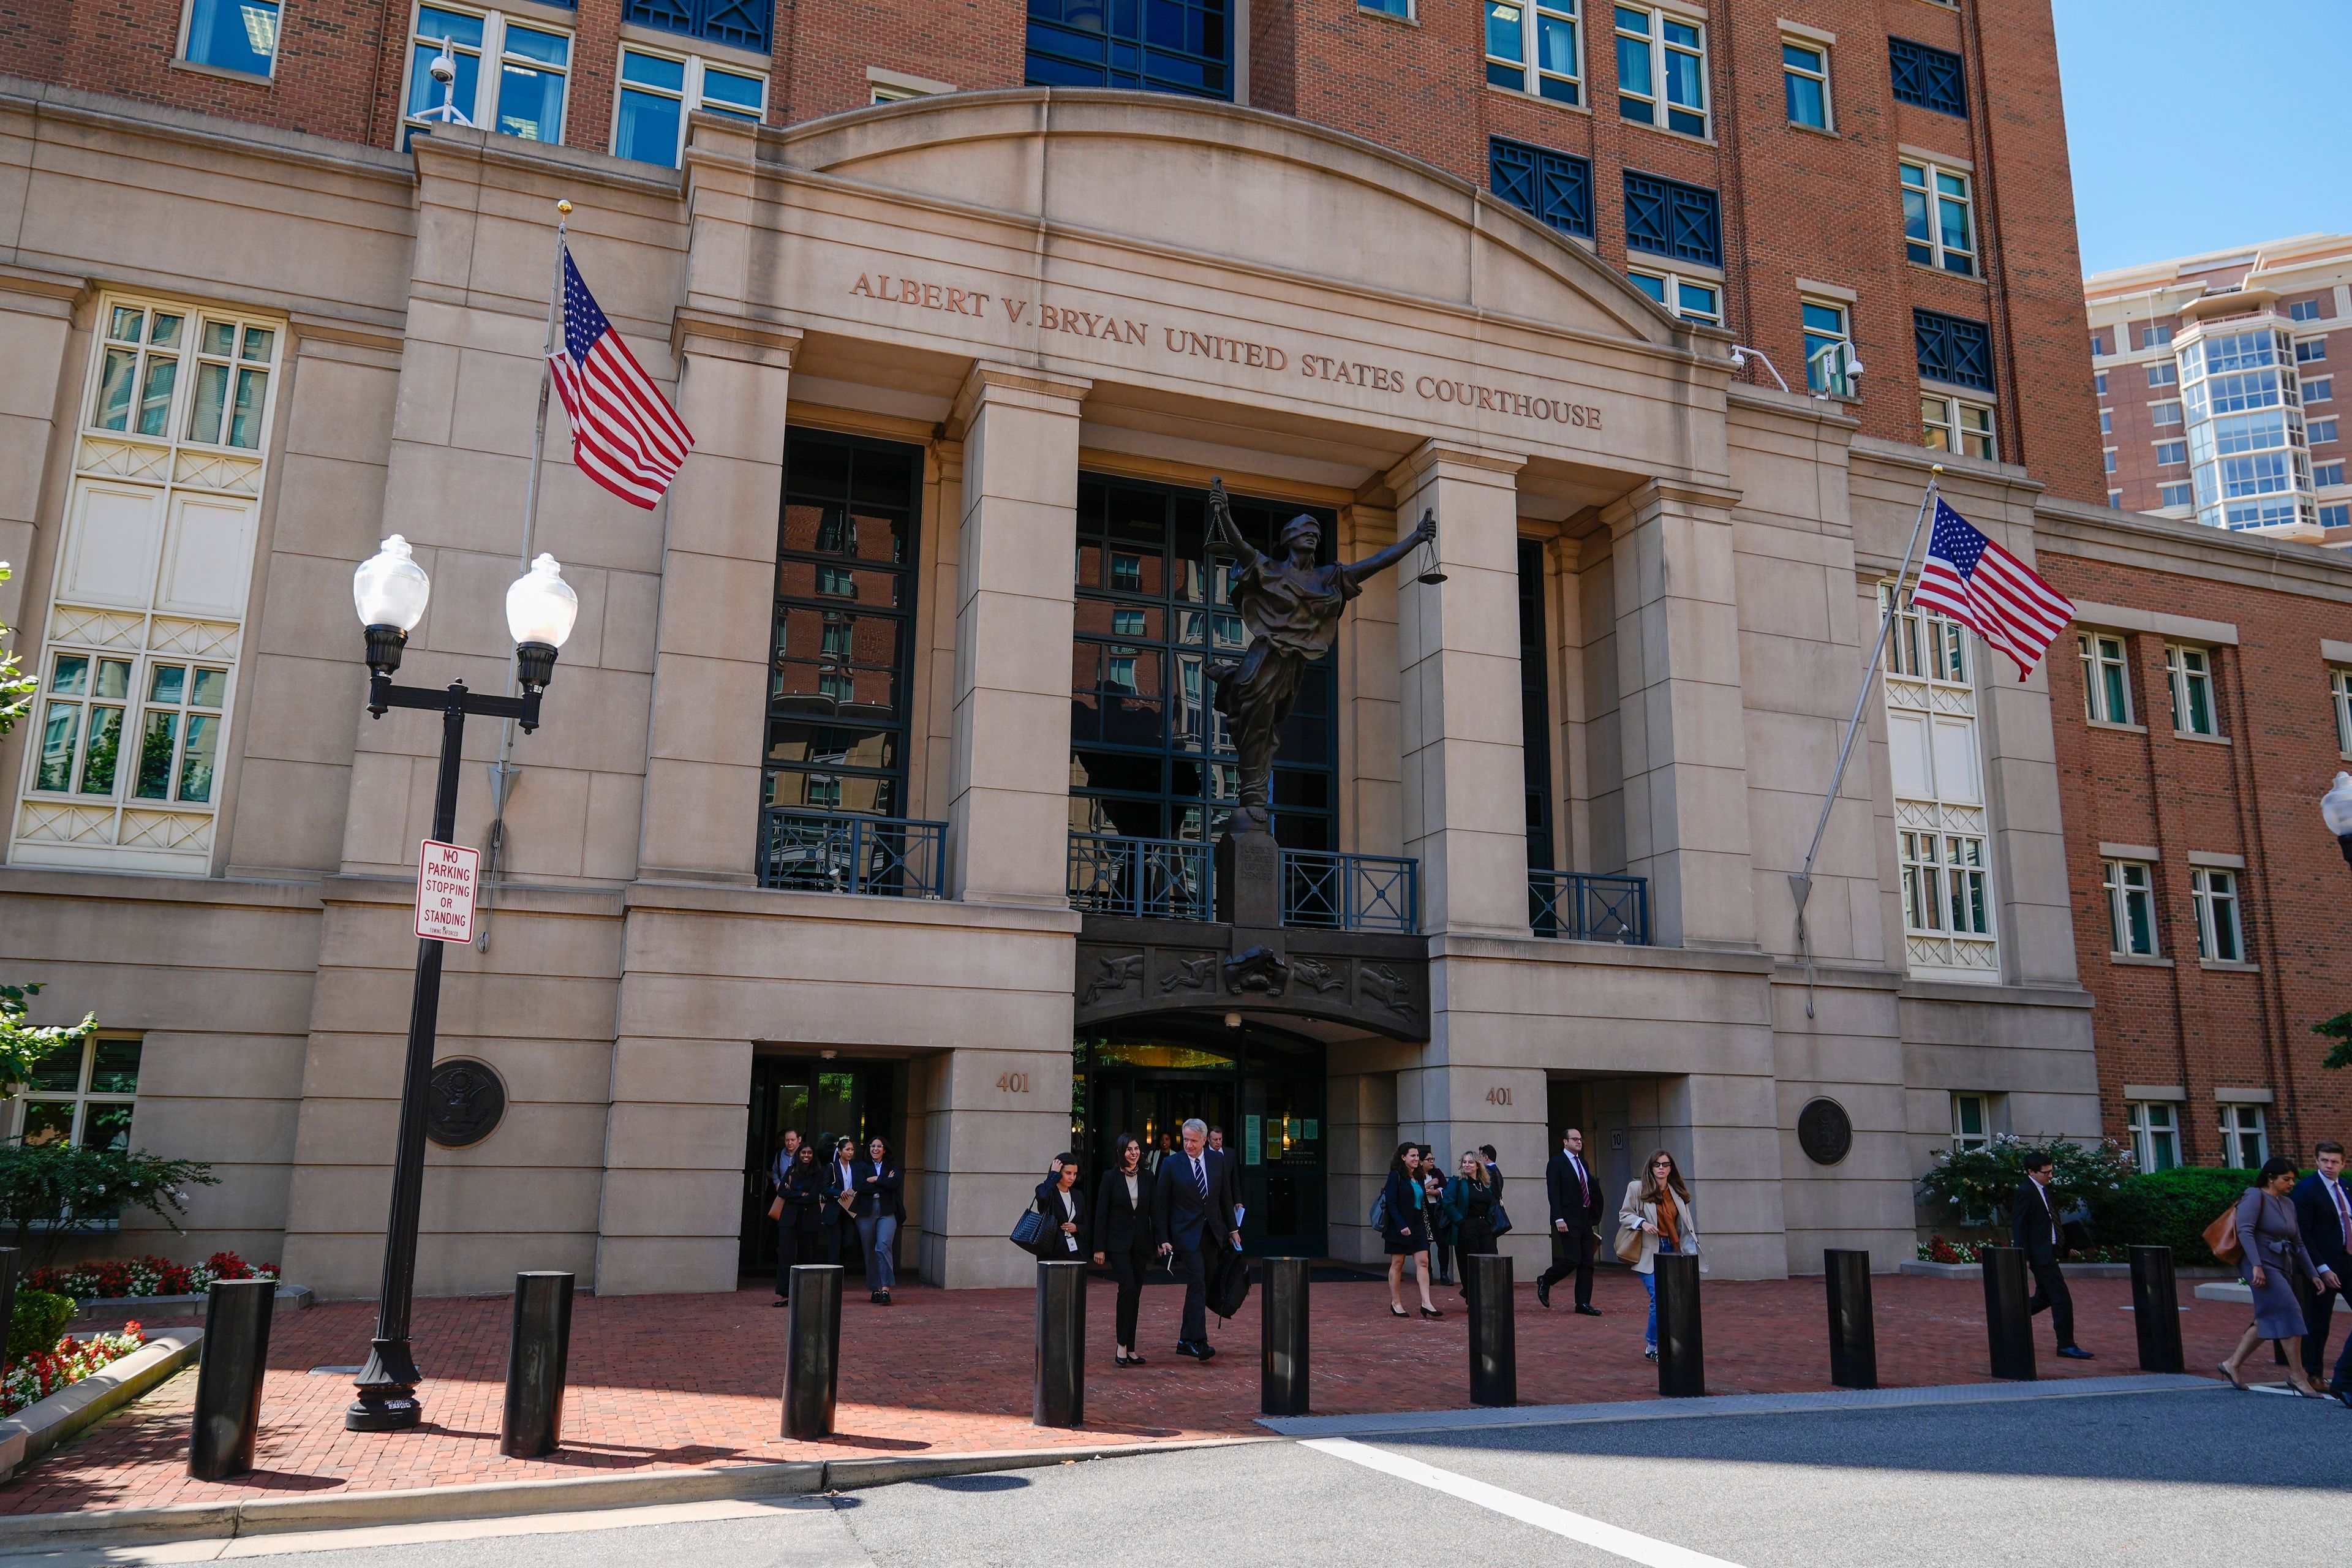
<point x="2169" y="1208"/>
<point x="38" y="1322"/>
<point x="1976" y="1188"/>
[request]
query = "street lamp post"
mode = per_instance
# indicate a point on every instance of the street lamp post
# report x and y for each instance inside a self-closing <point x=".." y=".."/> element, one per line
<point x="390" y="591"/>
<point x="2336" y="810"/>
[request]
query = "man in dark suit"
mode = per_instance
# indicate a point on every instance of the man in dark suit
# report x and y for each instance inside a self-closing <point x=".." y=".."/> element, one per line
<point x="1195" y="1201"/>
<point x="2323" y="1210"/>
<point x="2035" y="1226"/>
<point x="1575" y="1194"/>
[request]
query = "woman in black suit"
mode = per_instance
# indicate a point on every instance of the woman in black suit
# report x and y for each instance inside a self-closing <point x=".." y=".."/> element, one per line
<point x="1065" y="1208"/>
<point x="878" y="1213"/>
<point x="1123" y="1236"/>
<point x="800" y="1237"/>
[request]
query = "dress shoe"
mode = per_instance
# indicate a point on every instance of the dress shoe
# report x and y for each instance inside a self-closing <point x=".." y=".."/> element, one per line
<point x="1584" y="1310"/>
<point x="1197" y="1352"/>
<point x="2076" y="1352"/>
<point x="2343" y="1397"/>
<point x="1543" y="1292"/>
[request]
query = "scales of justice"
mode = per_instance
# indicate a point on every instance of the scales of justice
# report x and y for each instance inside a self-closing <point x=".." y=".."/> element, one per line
<point x="1291" y="609"/>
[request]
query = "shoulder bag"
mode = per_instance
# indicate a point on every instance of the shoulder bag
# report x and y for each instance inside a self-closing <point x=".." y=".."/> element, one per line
<point x="1029" y="1232"/>
<point x="2221" y="1237"/>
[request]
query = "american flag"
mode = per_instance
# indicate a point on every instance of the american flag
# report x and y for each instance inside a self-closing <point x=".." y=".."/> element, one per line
<point x="1989" y="591"/>
<point x="624" y="434"/>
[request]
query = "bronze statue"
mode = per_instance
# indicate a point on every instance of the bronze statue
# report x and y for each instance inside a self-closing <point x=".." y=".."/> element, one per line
<point x="1291" y="608"/>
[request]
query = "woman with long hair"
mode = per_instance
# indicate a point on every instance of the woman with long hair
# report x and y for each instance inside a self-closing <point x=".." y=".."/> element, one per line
<point x="1404" y="1229"/>
<point x="802" y="1239"/>
<point x="1122" y="1237"/>
<point x="2274" y="1257"/>
<point x="877" y="1211"/>
<point x="1470" y="1211"/>
<point x="1658" y="1209"/>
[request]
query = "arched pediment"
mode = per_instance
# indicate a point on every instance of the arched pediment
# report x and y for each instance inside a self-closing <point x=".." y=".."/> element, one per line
<point x="1262" y="190"/>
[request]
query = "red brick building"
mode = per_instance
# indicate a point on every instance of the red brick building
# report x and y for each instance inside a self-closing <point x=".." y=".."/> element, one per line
<point x="2201" y="708"/>
<point x="1880" y="181"/>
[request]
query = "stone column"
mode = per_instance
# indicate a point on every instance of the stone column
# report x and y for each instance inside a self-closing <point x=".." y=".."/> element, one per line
<point x="1008" y="809"/>
<point x="1458" y="650"/>
<point x="1680" y="721"/>
<point x="36" y="328"/>
<point x="718" y="590"/>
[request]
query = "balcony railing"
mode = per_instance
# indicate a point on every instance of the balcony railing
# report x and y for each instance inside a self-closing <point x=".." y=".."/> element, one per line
<point x="1146" y="879"/>
<point x="844" y="852"/>
<point x="1339" y="892"/>
<point x="1576" y="907"/>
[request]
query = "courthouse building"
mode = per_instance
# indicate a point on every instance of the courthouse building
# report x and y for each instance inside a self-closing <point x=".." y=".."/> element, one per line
<point x="872" y="792"/>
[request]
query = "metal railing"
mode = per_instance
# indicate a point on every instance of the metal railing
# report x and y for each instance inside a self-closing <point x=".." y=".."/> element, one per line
<point x="844" y="852"/>
<point x="1148" y="879"/>
<point x="1339" y="892"/>
<point x="1576" y="906"/>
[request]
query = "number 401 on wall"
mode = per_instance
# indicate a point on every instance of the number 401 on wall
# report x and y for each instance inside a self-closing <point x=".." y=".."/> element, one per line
<point x="1498" y="1097"/>
<point x="1012" y="1082"/>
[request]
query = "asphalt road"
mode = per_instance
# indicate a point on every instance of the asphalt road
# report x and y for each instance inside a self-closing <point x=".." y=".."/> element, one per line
<point x="2175" y="1478"/>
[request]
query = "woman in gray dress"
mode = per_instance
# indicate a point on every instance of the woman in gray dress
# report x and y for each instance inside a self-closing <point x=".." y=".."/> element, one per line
<point x="2274" y="1255"/>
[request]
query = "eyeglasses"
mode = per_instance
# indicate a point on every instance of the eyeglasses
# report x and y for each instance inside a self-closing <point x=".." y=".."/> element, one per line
<point x="1662" y="1164"/>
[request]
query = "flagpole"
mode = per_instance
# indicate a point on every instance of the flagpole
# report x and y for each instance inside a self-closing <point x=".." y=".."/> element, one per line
<point x="1801" y="882"/>
<point x="503" y="771"/>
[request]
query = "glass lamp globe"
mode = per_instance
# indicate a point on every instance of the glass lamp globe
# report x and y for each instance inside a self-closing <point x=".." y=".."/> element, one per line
<point x="2336" y="805"/>
<point x="540" y="605"/>
<point x="390" y="589"/>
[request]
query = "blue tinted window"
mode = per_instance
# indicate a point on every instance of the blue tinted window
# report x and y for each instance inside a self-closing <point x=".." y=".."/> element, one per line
<point x="746" y="24"/>
<point x="1160" y="45"/>
<point x="1554" y="186"/>
<point x="647" y="129"/>
<point x="233" y="34"/>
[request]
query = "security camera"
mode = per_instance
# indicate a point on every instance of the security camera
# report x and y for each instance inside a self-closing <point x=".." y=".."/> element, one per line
<point x="444" y="68"/>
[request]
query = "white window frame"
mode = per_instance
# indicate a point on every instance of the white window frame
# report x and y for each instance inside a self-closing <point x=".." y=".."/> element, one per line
<point x="1533" y="13"/>
<point x="1932" y="177"/>
<point x="2129" y="883"/>
<point x="2178" y="493"/>
<point x="2163" y="373"/>
<point x="2102" y="652"/>
<point x="81" y="1096"/>
<point x="1673" y="284"/>
<point x="484" y="112"/>
<point x="2147" y="1120"/>
<point x="2318" y="347"/>
<point x="2339" y="688"/>
<point x="2221" y="916"/>
<point x="2108" y="424"/>
<point x="1828" y="104"/>
<point x="2328" y="475"/>
<point x="1942" y="820"/>
<point x="691" y="94"/>
<point x="2320" y="431"/>
<point x="2165" y="450"/>
<point x="1832" y="380"/>
<point x="2152" y="336"/>
<point x="2240" y="1125"/>
<point x="1941" y="413"/>
<point x="2190" y="671"/>
<point x="1662" y="110"/>
<point x="2165" y="413"/>
<point x="2317" y="388"/>
<point x="2303" y="310"/>
<point x="1964" y="1141"/>
<point x="276" y="36"/>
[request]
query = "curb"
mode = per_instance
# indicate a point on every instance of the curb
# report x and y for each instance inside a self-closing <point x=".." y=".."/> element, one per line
<point x="495" y="1500"/>
<point x="39" y="1428"/>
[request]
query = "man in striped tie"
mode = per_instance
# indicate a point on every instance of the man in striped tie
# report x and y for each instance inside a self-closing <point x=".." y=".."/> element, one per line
<point x="1197" y="1204"/>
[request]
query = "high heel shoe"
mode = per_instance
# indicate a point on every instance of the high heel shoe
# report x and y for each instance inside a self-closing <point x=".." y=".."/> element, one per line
<point x="1118" y="1358"/>
<point x="2226" y="1370"/>
<point x="1397" y="1311"/>
<point x="1431" y="1312"/>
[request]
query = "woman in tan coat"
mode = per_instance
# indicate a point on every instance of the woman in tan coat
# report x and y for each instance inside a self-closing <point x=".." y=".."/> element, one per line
<point x="1657" y="1210"/>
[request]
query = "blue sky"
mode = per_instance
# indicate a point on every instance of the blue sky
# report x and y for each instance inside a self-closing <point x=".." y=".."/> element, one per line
<point x="2195" y="126"/>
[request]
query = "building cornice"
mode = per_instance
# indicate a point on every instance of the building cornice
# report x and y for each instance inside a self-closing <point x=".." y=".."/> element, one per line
<point x="2183" y="549"/>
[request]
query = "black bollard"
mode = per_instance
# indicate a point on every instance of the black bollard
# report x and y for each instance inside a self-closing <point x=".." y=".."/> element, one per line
<point x="537" y="1350"/>
<point x="11" y="1264"/>
<point x="1281" y="1336"/>
<point x="1493" y="1332"/>
<point x="2156" y="1309"/>
<point x="2009" y="1329"/>
<point x="228" y="1385"/>
<point x="1853" y="1333"/>
<point x="813" y="1352"/>
<point x="1682" y="1348"/>
<point x="1060" y="1399"/>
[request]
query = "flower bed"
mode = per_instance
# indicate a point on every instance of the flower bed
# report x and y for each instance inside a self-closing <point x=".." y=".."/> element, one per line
<point x="1935" y="1249"/>
<point x="113" y="1278"/>
<point x="34" y="1379"/>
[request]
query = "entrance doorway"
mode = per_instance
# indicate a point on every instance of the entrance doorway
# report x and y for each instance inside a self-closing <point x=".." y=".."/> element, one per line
<point x="823" y="1100"/>
<point x="1263" y="1086"/>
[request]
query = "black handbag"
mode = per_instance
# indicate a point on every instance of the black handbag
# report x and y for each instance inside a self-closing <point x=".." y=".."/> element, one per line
<point x="1029" y="1232"/>
<point x="1502" y="1221"/>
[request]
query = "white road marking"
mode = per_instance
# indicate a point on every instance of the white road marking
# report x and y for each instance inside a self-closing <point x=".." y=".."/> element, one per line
<point x="1609" y="1538"/>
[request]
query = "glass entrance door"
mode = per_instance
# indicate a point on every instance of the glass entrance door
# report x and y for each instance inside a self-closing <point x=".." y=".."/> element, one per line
<point x="820" y="1100"/>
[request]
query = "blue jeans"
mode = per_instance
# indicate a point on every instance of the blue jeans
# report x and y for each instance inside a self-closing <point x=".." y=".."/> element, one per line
<point x="875" y="1234"/>
<point x="1650" y="1283"/>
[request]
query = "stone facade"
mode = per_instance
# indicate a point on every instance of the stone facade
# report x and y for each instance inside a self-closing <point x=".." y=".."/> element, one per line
<point x="958" y="274"/>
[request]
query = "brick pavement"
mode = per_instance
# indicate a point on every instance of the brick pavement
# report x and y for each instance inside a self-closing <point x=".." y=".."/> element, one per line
<point x="690" y="1380"/>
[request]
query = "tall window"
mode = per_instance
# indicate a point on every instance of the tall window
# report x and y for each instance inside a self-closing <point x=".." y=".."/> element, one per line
<point x="2245" y="1140"/>
<point x="2215" y="896"/>
<point x="1971" y="1123"/>
<point x="1959" y="425"/>
<point x="1555" y="187"/>
<point x="2249" y="458"/>
<point x="2131" y="907"/>
<point x="81" y="1094"/>
<point x="1929" y="78"/>
<point x="2155" y="1135"/>
<point x="2339" y="687"/>
<point x="1805" y="81"/>
<point x="147" y="610"/>
<point x="1938" y="220"/>
<point x="1163" y="45"/>
<point x="658" y="91"/>
<point x="1941" y="826"/>
<point x="1531" y="47"/>
<point x="520" y="91"/>
<point x="1692" y="298"/>
<point x="2191" y="672"/>
<point x="1828" y="347"/>
<point x="1534" y="705"/>
<point x="2106" y="679"/>
<point x="1662" y="69"/>
<point x="232" y="36"/>
<point x="841" y="657"/>
<point x="1148" y="620"/>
